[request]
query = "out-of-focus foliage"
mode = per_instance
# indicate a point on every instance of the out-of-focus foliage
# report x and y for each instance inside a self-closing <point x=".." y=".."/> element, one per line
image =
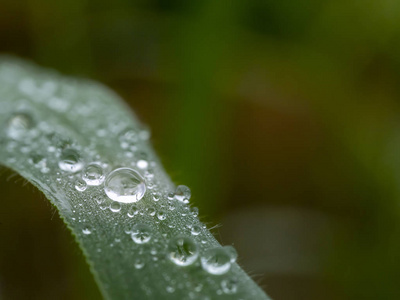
<point x="288" y="111"/>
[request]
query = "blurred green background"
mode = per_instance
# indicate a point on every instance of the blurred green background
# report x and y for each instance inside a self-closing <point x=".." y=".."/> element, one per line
<point x="282" y="116"/>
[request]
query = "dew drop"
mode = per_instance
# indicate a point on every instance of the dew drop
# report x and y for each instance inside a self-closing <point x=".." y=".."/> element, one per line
<point x="182" y="251"/>
<point x="151" y="211"/>
<point x="18" y="125"/>
<point x="93" y="174"/>
<point x="115" y="207"/>
<point x="128" y="136"/>
<point x="133" y="210"/>
<point x="231" y="252"/>
<point x="139" y="263"/>
<point x="142" y="164"/>
<point x="86" y="231"/>
<point x="80" y="185"/>
<point x="170" y="289"/>
<point x="216" y="261"/>
<point x="194" y="211"/>
<point x="141" y="233"/>
<point x="196" y="230"/>
<point x="161" y="215"/>
<point x="70" y="161"/>
<point x="182" y="193"/>
<point x="156" y="197"/>
<point x="38" y="161"/>
<point x="124" y="185"/>
<point x="229" y="286"/>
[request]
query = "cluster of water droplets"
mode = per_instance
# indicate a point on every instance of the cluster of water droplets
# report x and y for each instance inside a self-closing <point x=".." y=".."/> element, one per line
<point x="152" y="225"/>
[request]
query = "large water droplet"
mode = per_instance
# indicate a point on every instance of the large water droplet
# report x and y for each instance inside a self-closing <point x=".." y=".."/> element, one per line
<point x="18" y="125"/>
<point x="125" y="185"/>
<point x="216" y="261"/>
<point x="182" y="193"/>
<point x="182" y="251"/>
<point x="70" y="161"/>
<point x="141" y="233"/>
<point x="93" y="174"/>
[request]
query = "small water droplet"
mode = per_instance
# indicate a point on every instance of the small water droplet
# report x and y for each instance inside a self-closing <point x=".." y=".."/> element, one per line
<point x="141" y="233"/>
<point x="142" y="164"/>
<point x="156" y="197"/>
<point x="231" y="252"/>
<point x="115" y="207"/>
<point x="80" y="185"/>
<point x="151" y="211"/>
<point x="70" y="161"/>
<point x="161" y="215"/>
<point x="194" y="211"/>
<point x="170" y="289"/>
<point x="133" y="210"/>
<point x="139" y="263"/>
<point x="229" y="286"/>
<point x="196" y="230"/>
<point x="182" y="251"/>
<point x="38" y="161"/>
<point x="18" y="125"/>
<point x="93" y="174"/>
<point x="170" y="196"/>
<point x="125" y="185"/>
<point x="86" y="231"/>
<point x="182" y="193"/>
<point x="216" y="261"/>
<point x="128" y="136"/>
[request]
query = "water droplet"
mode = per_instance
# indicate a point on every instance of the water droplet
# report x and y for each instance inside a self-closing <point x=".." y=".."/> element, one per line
<point x="80" y="185"/>
<point x="142" y="164"/>
<point x="171" y="196"/>
<point x="161" y="215"/>
<point x="170" y="289"/>
<point x="182" y="251"/>
<point x="133" y="210"/>
<point x="229" y="286"/>
<point x="198" y="287"/>
<point x="70" y="161"/>
<point x="231" y="252"/>
<point x="18" y="125"/>
<point x="156" y="197"/>
<point x="86" y="231"/>
<point x="182" y="193"/>
<point x="38" y="161"/>
<point x="216" y="261"/>
<point x="196" y="230"/>
<point x="195" y="211"/>
<point x="115" y="207"/>
<point x="141" y="233"/>
<point x="93" y="174"/>
<point x="151" y="211"/>
<point x="139" y="263"/>
<point x="128" y="136"/>
<point x="124" y="185"/>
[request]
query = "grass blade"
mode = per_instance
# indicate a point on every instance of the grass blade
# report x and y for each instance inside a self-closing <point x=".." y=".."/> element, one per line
<point x="52" y="128"/>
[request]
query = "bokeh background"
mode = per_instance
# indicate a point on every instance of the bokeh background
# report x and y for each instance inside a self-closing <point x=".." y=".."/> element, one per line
<point x="283" y="117"/>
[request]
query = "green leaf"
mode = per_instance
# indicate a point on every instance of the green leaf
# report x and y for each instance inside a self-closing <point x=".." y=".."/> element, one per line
<point x="52" y="128"/>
